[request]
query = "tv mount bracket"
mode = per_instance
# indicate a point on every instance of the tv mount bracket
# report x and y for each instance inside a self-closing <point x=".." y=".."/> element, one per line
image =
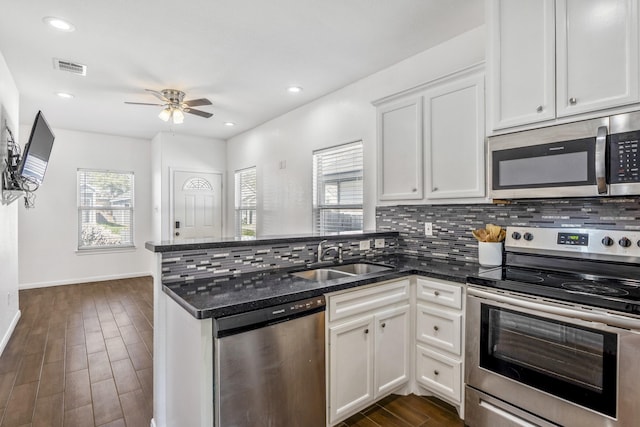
<point x="11" y="190"/>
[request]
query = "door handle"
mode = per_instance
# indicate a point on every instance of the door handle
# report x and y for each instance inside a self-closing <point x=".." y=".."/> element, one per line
<point x="601" y="167"/>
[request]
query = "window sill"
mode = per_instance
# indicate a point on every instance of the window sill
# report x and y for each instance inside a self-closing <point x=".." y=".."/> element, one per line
<point x="94" y="251"/>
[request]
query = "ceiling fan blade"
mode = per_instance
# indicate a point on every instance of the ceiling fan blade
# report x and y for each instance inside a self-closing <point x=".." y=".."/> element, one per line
<point x="143" y="103"/>
<point x="198" y="112"/>
<point x="157" y="94"/>
<point x="197" y="102"/>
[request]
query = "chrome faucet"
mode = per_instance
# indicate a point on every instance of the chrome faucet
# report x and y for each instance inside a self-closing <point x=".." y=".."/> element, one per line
<point x="322" y="251"/>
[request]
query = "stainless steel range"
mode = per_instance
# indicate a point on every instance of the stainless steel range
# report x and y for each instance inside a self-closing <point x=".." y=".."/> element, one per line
<point x="555" y="335"/>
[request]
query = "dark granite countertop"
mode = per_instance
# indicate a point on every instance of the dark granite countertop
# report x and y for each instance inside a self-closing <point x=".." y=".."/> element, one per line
<point x="189" y="244"/>
<point x="223" y="296"/>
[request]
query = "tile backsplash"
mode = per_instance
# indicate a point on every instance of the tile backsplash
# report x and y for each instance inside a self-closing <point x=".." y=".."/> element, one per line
<point x="185" y="266"/>
<point x="452" y="224"/>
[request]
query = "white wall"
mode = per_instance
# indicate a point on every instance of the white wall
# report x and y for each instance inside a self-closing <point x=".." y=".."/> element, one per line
<point x="181" y="152"/>
<point x="9" y="314"/>
<point x="48" y="233"/>
<point x="284" y="195"/>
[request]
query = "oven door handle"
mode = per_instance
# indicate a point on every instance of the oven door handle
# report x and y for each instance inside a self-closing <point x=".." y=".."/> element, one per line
<point x="600" y="159"/>
<point x="603" y="317"/>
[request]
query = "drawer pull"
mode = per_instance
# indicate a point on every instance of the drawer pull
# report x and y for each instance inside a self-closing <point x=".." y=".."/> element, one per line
<point x="366" y="331"/>
<point x="436" y="293"/>
<point x="435" y="328"/>
<point x="436" y="373"/>
<point x="383" y="325"/>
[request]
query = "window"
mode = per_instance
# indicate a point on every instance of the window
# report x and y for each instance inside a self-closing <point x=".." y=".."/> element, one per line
<point x="337" y="188"/>
<point x="246" y="202"/>
<point x="105" y="209"/>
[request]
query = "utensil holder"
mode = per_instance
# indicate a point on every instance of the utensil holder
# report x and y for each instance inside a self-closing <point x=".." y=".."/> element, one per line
<point x="490" y="254"/>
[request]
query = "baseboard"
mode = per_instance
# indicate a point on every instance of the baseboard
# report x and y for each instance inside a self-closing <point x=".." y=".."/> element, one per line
<point x="153" y="423"/>
<point x="83" y="280"/>
<point x="7" y="335"/>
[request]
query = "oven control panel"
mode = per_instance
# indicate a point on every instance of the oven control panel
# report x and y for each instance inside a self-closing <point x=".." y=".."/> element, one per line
<point x="619" y="245"/>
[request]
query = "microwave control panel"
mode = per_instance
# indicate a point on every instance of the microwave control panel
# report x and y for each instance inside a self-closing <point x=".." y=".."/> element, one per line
<point x="624" y="161"/>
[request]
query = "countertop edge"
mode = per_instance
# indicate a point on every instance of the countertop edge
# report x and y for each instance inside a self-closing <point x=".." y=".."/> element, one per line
<point x="337" y="285"/>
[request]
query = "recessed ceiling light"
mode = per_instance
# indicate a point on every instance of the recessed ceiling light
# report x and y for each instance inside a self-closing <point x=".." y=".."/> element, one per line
<point x="295" y="89"/>
<point x="65" y="95"/>
<point x="229" y="124"/>
<point x="59" y="24"/>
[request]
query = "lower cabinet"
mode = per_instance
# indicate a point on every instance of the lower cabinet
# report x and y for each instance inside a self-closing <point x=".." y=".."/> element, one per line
<point x="368" y="353"/>
<point x="377" y="333"/>
<point x="439" y="338"/>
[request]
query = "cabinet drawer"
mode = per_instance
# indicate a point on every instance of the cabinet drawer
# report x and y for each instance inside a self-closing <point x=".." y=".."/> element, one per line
<point x="362" y="301"/>
<point x="440" y="292"/>
<point x="439" y="373"/>
<point x="439" y="328"/>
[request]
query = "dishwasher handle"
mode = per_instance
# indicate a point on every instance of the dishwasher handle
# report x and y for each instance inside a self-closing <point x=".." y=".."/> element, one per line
<point x="237" y="323"/>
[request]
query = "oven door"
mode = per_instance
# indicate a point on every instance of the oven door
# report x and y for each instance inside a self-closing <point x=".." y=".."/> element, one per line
<point x="555" y="365"/>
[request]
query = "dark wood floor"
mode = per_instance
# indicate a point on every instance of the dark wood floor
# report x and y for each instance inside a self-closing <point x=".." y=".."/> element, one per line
<point x="406" y="411"/>
<point x="81" y="355"/>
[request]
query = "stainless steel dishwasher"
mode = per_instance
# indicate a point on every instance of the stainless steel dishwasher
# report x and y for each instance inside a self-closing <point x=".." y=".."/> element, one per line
<point x="269" y="366"/>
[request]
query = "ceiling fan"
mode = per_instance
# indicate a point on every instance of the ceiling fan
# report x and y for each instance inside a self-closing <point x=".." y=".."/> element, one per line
<point x="174" y="105"/>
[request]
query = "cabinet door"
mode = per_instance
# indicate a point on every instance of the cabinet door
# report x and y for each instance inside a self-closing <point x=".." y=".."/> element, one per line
<point x="439" y="373"/>
<point x="597" y="54"/>
<point x="454" y="138"/>
<point x="440" y="328"/>
<point x="400" y="174"/>
<point x="521" y="62"/>
<point x="351" y="348"/>
<point x="392" y="349"/>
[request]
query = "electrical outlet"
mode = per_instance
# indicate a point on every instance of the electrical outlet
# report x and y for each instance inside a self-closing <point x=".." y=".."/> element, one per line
<point x="428" y="229"/>
<point x="378" y="243"/>
<point x="365" y="245"/>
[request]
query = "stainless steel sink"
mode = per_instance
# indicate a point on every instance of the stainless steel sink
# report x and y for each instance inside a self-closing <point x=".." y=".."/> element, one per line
<point x="360" y="268"/>
<point x="339" y="271"/>
<point x="321" y="274"/>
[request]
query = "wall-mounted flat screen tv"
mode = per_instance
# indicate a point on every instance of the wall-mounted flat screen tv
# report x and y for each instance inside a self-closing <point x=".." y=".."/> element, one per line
<point x="37" y="151"/>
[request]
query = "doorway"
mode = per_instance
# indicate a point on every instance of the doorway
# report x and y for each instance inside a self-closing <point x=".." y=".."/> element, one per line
<point x="197" y="205"/>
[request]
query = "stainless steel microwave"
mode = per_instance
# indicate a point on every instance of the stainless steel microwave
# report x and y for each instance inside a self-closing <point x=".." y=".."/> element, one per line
<point x="597" y="157"/>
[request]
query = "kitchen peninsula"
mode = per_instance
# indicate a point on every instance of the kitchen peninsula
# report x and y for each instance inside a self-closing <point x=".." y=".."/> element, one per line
<point x="198" y="282"/>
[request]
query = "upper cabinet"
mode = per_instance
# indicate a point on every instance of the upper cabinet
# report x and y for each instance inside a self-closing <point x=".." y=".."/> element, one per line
<point x="550" y="59"/>
<point x="521" y="67"/>
<point x="400" y="153"/>
<point x="431" y="141"/>
<point x="597" y="54"/>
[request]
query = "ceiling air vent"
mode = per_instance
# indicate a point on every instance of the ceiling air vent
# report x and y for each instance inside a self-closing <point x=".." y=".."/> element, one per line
<point x="70" y="67"/>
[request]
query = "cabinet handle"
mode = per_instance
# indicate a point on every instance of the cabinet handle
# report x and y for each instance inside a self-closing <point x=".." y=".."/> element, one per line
<point x="383" y="325"/>
<point x="539" y="109"/>
<point x="414" y="190"/>
<point x="436" y="373"/>
<point x="435" y="328"/>
<point x="573" y="101"/>
<point x="435" y="189"/>
<point x="436" y="293"/>
<point x="366" y="331"/>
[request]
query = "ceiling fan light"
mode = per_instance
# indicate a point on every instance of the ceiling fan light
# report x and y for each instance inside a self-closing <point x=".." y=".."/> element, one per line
<point x="165" y="114"/>
<point x="178" y="116"/>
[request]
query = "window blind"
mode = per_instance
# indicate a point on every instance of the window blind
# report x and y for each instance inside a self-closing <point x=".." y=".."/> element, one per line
<point x="338" y="188"/>
<point x="246" y="203"/>
<point x="105" y="209"/>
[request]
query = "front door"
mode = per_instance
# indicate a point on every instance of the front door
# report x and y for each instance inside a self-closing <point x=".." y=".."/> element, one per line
<point x="197" y="205"/>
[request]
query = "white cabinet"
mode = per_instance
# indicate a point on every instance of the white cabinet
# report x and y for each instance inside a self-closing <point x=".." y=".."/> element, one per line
<point x="368" y="346"/>
<point x="454" y="138"/>
<point x="550" y="59"/>
<point x="400" y="174"/>
<point x="431" y="140"/>
<point x="439" y="338"/>
<point x="597" y="51"/>
<point x="521" y="66"/>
